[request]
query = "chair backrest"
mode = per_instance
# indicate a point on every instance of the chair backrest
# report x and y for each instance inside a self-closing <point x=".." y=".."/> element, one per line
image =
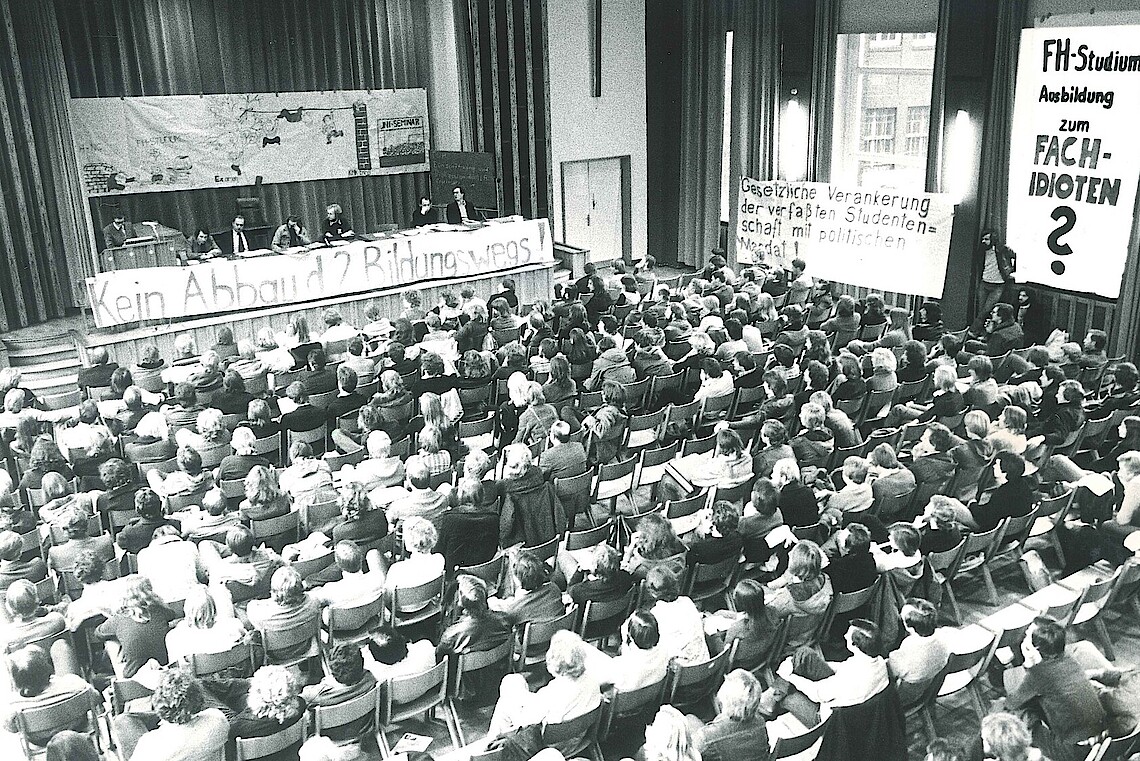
<point x="466" y="663"/>
<point x="253" y="748"/>
<point x="788" y="747"/>
<point x="591" y="537"/>
<point x="693" y="682"/>
<point x="597" y="611"/>
<point x="415" y="694"/>
<point x="414" y="598"/>
<point x="332" y="717"/>
<point x="488" y="572"/>
<point x="536" y="634"/>
<point x="273" y="531"/>
<point x="63" y="714"/>
<point x="698" y="446"/>
<point x="573" y="736"/>
<point x="208" y="664"/>
<point x="356" y="616"/>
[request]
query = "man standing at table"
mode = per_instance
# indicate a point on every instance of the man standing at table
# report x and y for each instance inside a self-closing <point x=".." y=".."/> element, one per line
<point x="236" y="242"/>
<point x="292" y="234"/>
<point x="116" y="233"/>
<point x="460" y="211"/>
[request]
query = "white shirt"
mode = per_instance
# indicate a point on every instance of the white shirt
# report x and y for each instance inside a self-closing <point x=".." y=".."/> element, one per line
<point x="682" y="630"/>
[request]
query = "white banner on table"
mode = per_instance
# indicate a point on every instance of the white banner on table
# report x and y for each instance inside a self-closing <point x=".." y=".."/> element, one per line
<point x="182" y="142"/>
<point x="161" y="293"/>
<point x="879" y="238"/>
<point x="1074" y="158"/>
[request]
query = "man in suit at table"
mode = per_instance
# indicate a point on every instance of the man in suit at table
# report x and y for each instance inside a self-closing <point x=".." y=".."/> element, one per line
<point x="461" y="210"/>
<point x="115" y="234"/>
<point x="236" y="241"/>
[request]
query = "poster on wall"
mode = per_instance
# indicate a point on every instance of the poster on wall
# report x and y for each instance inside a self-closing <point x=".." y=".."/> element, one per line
<point x="879" y="238"/>
<point x="1074" y="158"/>
<point x="185" y="142"/>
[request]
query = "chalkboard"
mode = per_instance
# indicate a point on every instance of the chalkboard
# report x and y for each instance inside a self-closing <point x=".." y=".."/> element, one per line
<point x="474" y="171"/>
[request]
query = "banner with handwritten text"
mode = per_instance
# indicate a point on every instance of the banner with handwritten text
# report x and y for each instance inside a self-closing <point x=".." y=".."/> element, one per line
<point x="161" y="293"/>
<point x="880" y="238"/>
<point x="1074" y="158"/>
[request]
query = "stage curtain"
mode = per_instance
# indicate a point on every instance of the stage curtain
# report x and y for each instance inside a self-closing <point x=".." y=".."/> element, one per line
<point x="753" y="134"/>
<point x="705" y="26"/>
<point x="119" y="48"/>
<point x="34" y="228"/>
<point x="821" y="113"/>
<point x="993" y="179"/>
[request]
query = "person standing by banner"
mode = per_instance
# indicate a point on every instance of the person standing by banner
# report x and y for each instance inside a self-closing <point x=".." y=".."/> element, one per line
<point x="997" y="273"/>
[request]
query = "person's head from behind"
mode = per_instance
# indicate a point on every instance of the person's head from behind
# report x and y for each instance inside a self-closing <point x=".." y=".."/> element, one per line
<point x="178" y="697"/>
<point x="642" y="630"/>
<point x="1044" y="641"/>
<point x="566" y="657"/>
<point x="1005" y="737"/>
<point x="530" y="572"/>
<point x="273" y="693"/>
<point x="70" y="745"/>
<point x="662" y="584"/>
<point x="31" y="670"/>
<point x="739" y="696"/>
<point x="346" y="663"/>
<point x="239" y="541"/>
<point x="863" y="635"/>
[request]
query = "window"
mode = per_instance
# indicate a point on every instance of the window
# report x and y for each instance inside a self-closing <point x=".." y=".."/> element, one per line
<point x="726" y="133"/>
<point x="917" y="130"/>
<point x="885" y="40"/>
<point x="882" y="110"/>
<point x="878" y="133"/>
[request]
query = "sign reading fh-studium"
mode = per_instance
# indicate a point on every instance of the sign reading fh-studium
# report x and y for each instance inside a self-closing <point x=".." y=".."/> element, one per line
<point x="882" y="238"/>
<point x="160" y="293"/>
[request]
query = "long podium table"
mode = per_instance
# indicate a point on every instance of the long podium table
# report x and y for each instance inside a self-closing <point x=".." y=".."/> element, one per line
<point x="263" y="280"/>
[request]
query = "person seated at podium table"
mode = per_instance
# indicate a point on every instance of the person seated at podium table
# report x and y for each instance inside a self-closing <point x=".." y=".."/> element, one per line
<point x="290" y="235"/>
<point x="203" y="246"/>
<point x="336" y="227"/>
<point x="236" y="242"/>
<point x="116" y="234"/>
<point x="461" y="211"/>
<point x="425" y="215"/>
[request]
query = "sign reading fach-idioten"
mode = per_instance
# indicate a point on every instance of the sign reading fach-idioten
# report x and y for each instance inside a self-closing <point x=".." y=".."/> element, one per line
<point x="876" y="237"/>
<point x="1074" y="157"/>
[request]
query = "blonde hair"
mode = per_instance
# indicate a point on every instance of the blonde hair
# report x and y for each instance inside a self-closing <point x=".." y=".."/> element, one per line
<point x="272" y="693"/>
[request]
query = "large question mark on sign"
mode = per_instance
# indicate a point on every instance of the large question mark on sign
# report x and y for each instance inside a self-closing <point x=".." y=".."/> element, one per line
<point x="1055" y="245"/>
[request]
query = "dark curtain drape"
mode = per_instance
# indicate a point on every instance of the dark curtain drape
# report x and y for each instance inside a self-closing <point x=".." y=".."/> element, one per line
<point x="705" y="26"/>
<point x="993" y="179"/>
<point x="754" y="131"/>
<point x="36" y="228"/>
<point x="119" y="48"/>
<point x="822" y="106"/>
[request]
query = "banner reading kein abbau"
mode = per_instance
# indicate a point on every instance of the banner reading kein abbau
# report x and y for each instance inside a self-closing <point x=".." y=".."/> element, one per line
<point x="879" y="238"/>
<point x="160" y="293"/>
<point x="1074" y="158"/>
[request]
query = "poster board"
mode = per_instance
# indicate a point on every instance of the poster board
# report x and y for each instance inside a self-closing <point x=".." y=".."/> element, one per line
<point x="187" y="142"/>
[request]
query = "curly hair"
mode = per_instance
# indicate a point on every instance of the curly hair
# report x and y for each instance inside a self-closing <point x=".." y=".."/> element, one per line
<point x="178" y="697"/>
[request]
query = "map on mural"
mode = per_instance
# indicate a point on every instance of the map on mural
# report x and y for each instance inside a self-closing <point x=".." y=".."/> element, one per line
<point x="182" y="142"/>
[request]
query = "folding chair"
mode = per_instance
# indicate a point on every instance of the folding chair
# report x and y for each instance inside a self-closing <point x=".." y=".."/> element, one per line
<point x="575" y="737"/>
<point x="413" y="605"/>
<point x="210" y="664"/>
<point x="469" y="663"/>
<point x="615" y="480"/>
<point x="535" y="639"/>
<point x="253" y="748"/>
<point x="692" y="683"/>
